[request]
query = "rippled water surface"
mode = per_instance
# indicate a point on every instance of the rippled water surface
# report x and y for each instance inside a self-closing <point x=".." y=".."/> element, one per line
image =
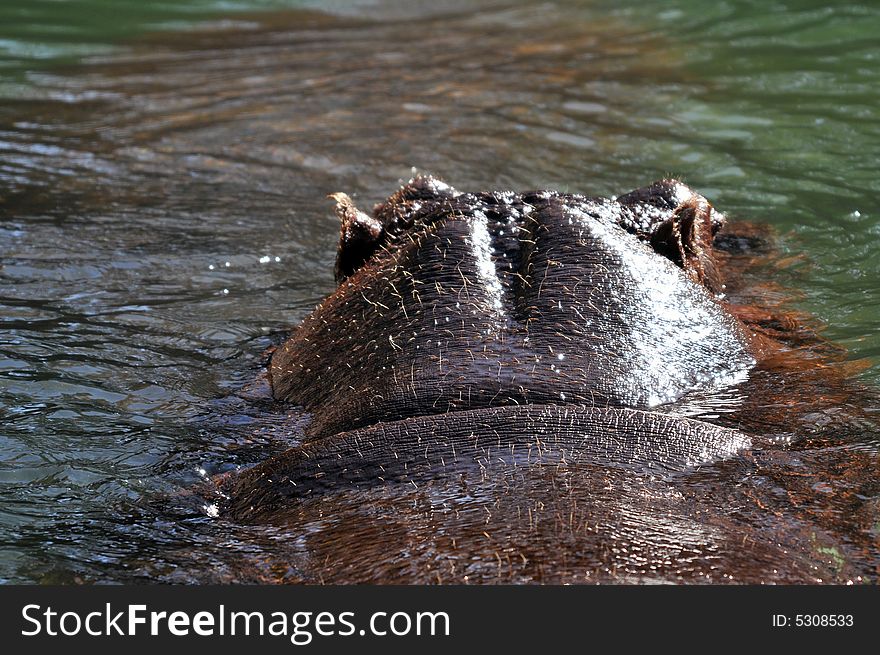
<point x="163" y="221"/>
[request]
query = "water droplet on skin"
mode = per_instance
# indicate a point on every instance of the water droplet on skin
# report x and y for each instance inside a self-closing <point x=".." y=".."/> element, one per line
<point x="225" y="292"/>
<point x="227" y="264"/>
<point x="210" y="267"/>
<point x="278" y="259"/>
<point x="560" y="357"/>
<point x="265" y="259"/>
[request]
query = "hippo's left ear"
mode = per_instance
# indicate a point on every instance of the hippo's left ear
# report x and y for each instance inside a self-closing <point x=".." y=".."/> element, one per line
<point x="686" y="238"/>
<point x="359" y="237"/>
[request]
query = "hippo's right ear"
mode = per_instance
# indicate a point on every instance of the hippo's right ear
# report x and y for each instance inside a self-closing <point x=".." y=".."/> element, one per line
<point x="679" y="224"/>
<point x="359" y="237"/>
<point x="686" y="238"/>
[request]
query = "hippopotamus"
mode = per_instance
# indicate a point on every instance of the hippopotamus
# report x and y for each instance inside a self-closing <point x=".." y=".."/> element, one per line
<point x="490" y="356"/>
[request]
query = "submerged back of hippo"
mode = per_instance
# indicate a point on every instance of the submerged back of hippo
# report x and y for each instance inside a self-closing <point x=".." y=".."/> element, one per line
<point x="499" y="388"/>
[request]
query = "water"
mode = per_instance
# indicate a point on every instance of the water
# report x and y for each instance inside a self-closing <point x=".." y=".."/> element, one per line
<point x="163" y="220"/>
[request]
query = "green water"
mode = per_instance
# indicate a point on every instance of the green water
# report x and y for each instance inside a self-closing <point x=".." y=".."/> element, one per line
<point x="163" y="173"/>
<point x="38" y="34"/>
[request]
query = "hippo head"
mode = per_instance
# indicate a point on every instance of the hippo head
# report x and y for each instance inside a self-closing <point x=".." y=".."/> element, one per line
<point x="452" y="301"/>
